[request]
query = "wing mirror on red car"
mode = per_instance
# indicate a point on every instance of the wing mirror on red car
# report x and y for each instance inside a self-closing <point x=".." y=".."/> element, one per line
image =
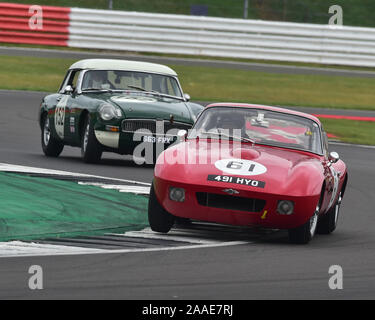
<point x="182" y="134"/>
<point x="333" y="157"/>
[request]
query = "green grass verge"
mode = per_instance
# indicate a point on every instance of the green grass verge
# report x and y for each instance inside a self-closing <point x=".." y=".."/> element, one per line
<point x="357" y="132"/>
<point x="215" y="84"/>
<point x="219" y="84"/>
<point x="187" y="56"/>
<point x="29" y="73"/>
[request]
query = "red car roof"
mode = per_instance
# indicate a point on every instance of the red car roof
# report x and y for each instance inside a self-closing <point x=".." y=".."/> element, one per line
<point x="270" y="108"/>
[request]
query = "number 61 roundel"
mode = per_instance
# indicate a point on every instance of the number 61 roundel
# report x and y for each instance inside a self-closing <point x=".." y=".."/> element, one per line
<point x="240" y="167"/>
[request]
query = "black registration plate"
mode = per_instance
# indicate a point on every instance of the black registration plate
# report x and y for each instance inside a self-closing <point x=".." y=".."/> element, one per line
<point x="236" y="180"/>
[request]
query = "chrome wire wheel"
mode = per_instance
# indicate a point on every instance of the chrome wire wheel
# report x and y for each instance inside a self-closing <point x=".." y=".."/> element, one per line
<point x="46" y="132"/>
<point x="52" y="147"/>
<point x="91" y="150"/>
<point x="337" y="208"/>
<point x="86" y="137"/>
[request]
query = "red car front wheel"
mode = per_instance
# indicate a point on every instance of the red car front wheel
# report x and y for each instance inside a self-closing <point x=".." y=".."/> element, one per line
<point x="159" y="219"/>
<point x="304" y="233"/>
<point x="328" y="223"/>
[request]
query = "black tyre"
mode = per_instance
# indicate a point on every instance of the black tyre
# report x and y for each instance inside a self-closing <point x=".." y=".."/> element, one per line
<point x="51" y="146"/>
<point x="159" y="219"/>
<point x="90" y="148"/>
<point x="328" y="222"/>
<point x="304" y="233"/>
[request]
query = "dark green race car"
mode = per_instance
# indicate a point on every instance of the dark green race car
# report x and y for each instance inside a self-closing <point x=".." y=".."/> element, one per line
<point x="126" y="107"/>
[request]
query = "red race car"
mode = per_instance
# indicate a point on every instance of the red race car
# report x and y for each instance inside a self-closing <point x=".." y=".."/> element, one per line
<point x="250" y="165"/>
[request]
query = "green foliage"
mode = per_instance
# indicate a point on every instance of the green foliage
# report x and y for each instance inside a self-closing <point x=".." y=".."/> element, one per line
<point x="358" y="132"/>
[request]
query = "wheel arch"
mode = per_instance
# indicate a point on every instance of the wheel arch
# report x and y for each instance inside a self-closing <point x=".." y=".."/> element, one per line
<point x="321" y="199"/>
<point x="343" y="188"/>
<point x="42" y="114"/>
<point x="81" y="121"/>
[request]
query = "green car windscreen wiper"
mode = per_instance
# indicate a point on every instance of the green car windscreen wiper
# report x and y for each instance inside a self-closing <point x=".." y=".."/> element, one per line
<point x="137" y="88"/>
<point x="155" y="92"/>
<point x="144" y="90"/>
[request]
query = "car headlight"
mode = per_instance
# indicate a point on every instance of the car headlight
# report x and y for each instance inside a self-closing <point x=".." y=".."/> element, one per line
<point x="285" y="207"/>
<point x="108" y="112"/>
<point x="177" y="194"/>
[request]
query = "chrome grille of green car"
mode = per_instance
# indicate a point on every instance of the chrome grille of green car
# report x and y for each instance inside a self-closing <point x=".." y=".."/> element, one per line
<point x="132" y="125"/>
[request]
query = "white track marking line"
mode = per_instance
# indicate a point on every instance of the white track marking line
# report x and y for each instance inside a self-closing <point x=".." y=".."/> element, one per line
<point x="18" y="248"/>
<point x="16" y="168"/>
<point x="120" y="188"/>
<point x="133" y="190"/>
<point x="122" y="251"/>
<point x="173" y="235"/>
<point x="24" y="249"/>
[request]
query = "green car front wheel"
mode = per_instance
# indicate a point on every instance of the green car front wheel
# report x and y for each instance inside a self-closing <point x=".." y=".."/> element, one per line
<point x="90" y="148"/>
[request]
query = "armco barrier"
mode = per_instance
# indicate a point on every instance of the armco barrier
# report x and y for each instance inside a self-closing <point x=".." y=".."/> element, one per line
<point x="196" y="35"/>
<point x="42" y="25"/>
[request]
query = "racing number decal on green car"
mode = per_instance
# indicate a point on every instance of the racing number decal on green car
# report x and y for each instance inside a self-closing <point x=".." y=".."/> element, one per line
<point x="60" y="116"/>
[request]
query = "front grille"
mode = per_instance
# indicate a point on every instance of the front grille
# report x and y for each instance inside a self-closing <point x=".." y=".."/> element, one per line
<point x="163" y="126"/>
<point x="228" y="202"/>
<point x="134" y="125"/>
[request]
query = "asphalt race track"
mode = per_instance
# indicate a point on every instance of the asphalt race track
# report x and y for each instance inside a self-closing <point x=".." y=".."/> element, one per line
<point x="268" y="267"/>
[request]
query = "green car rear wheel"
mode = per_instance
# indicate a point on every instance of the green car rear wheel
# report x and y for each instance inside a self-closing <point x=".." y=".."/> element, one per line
<point x="50" y="145"/>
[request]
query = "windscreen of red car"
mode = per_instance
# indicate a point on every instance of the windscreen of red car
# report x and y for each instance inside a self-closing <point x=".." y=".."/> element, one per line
<point x="262" y="126"/>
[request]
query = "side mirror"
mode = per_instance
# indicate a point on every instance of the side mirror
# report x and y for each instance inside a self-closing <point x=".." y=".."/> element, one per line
<point x="68" y="89"/>
<point x="182" y="134"/>
<point x="333" y="157"/>
<point x="187" y="97"/>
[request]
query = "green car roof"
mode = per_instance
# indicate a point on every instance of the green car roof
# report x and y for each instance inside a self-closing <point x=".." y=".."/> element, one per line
<point x="122" y="65"/>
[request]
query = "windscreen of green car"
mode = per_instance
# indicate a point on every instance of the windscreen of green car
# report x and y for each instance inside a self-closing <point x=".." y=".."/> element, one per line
<point x="131" y="80"/>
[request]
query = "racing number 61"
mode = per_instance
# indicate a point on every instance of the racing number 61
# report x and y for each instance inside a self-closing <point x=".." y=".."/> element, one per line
<point x="238" y="166"/>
